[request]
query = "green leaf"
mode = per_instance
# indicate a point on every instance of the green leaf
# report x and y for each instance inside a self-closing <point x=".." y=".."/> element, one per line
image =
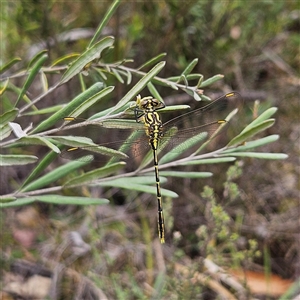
<point x="64" y="200"/>
<point x="172" y="108"/>
<point x="4" y="199"/>
<point x="43" y="164"/>
<point x="3" y="87"/>
<point x="12" y="160"/>
<point x="64" y="58"/>
<point x="140" y="85"/>
<point x="253" y="130"/>
<point x="9" y="64"/>
<point x="261" y="155"/>
<point x="185" y="174"/>
<point x="129" y="77"/>
<point x="122" y="124"/>
<point x="183" y="79"/>
<point x="56" y="199"/>
<point x="152" y="61"/>
<point x="263" y="117"/>
<point x="111" y="10"/>
<point x="91" y="101"/>
<point x="145" y="179"/>
<point x="9" y="116"/>
<point x="5" y="131"/>
<point x="154" y="92"/>
<point x="178" y="150"/>
<point x="44" y="81"/>
<point x="73" y="141"/>
<point x="47" y="110"/>
<point x="95" y="174"/>
<point x="254" y="144"/>
<point x="85" y="145"/>
<point x="129" y="185"/>
<point x="207" y="161"/>
<point x="18" y="202"/>
<point x="86" y="57"/>
<point x="53" y="175"/>
<point x="37" y="65"/>
<point x="70" y="107"/>
<point x="190" y="67"/>
<point x="38" y="140"/>
<point x="118" y="76"/>
<point x="211" y="80"/>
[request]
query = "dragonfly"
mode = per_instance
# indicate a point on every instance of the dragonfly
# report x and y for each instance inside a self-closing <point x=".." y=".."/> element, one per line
<point x="199" y="123"/>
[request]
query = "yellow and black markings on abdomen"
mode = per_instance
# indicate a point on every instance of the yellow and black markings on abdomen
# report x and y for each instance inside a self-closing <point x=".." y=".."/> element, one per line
<point x="153" y="128"/>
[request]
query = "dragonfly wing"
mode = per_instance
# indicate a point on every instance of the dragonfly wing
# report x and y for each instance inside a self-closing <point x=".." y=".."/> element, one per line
<point x="204" y="122"/>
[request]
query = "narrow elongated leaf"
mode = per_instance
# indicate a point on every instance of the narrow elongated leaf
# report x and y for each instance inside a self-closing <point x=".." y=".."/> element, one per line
<point x="178" y="150"/>
<point x="5" y="131"/>
<point x="245" y="135"/>
<point x="254" y="144"/>
<point x="44" y="81"/>
<point x="43" y="164"/>
<point x="117" y="75"/>
<point x="9" y="116"/>
<point x="152" y="61"/>
<point x="73" y="141"/>
<point x="86" y="149"/>
<point x="37" y="57"/>
<point x="211" y="80"/>
<point x="186" y="174"/>
<point x="140" y="85"/>
<point x="122" y="124"/>
<point x="18" y="202"/>
<point x="193" y="76"/>
<point x="70" y="107"/>
<point x="38" y="140"/>
<point x="52" y="176"/>
<point x="183" y="79"/>
<point x="263" y="117"/>
<point x="13" y="160"/>
<point x="144" y="179"/>
<point x="200" y="80"/>
<point x="129" y="77"/>
<point x="64" y="200"/>
<point x="3" y="87"/>
<point x="47" y="110"/>
<point x="5" y="199"/>
<point x="124" y="184"/>
<point x="63" y="59"/>
<point x="91" y="101"/>
<point x="154" y="92"/>
<point x="261" y="155"/>
<point x="32" y="74"/>
<point x="7" y="66"/>
<point x="208" y="161"/>
<point x="86" y="57"/>
<point x="190" y="67"/>
<point x="111" y="10"/>
<point x="172" y="108"/>
<point x="95" y="174"/>
<point x="56" y="199"/>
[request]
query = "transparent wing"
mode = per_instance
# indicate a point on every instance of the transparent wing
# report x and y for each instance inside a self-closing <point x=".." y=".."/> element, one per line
<point x="178" y="134"/>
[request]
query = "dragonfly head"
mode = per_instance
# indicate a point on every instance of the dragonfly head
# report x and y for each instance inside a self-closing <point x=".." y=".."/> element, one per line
<point x="148" y="103"/>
